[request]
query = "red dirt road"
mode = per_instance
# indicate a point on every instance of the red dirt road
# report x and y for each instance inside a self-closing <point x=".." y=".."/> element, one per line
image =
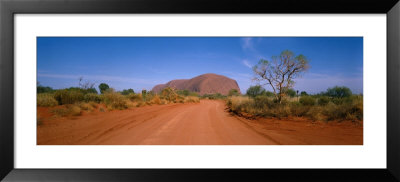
<point x="204" y="123"/>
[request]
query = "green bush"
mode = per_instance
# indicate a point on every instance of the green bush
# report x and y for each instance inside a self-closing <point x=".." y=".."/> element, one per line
<point x="338" y="92"/>
<point x="303" y="93"/>
<point x="307" y="100"/>
<point x="290" y="92"/>
<point x="46" y="100"/>
<point x="103" y="87"/>
<point x="127" y="92"/>
<point x="92" y="97"/>
<point x="262" y="101"/>
<point x="233" y="92"/>
<point x="297" y="109"/>
<point x="322" y="101"/>
<point x="42" y="89"/>
<point x="254" y="91"/>
<point x="213" y="96"/>
<point x="183" y="92"/>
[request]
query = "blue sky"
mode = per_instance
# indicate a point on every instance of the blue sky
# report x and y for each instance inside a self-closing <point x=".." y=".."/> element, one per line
<point x="142" y="62"/>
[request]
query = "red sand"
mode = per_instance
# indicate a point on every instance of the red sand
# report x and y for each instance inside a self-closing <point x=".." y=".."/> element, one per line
<point x="204" y="123"/>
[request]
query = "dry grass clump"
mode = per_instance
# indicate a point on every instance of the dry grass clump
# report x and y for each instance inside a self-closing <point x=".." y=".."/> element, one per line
<point x="74" y="110"/>
<point x="86" y="106"/>
<point x="68" y="110"/>
<point x="135" y="97"/>
<point x="46" y="100"/>
<point x="93" y="104"/>
<point x="156" y="100"/>
<point x="114" y="100"/>
<point x="68" y="96"/>
<point x="191" y="99"/>
<point x="239" y="103"/>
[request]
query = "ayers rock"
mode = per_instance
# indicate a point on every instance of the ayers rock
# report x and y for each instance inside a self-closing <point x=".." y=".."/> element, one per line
<point x="209" y="83"/>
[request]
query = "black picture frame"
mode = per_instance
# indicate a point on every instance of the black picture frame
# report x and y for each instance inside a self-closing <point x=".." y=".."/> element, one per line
<point x="8" y="8"/>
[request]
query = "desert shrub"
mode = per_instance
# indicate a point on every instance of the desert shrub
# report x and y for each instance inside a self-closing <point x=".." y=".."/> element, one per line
<point x="149" y="96"/>
<point x="253" y="91"/>
<point x="307" y="100"/>
<point x="333" y="111"/>
<point x="46" y="100"/>
<point x="169" y="94"/>
<point x="350" y="109"/>
<point x="315" y="113"/>
<point x="135" y="97"/>
<point x="74" y="110"/>
<point x="114" y="100"/>
<point x="130" y="104"/>
<point x="103" y="87"/>
<point x="86" y="106"/>
<point x="322" y="101"/>
<point x="82" y="90"/>
<point x="186" y="93"/>
<point x="213" y="96"/>
<point x="338" y="92"/>
<point x="233" y="92"/>
<point x="127" y="92"/>
<point x="65" y="96"/>
<point x="263" y="101"/>
<point x="93" y="104"/>
<point x="183" y="92"/>
<point x="192" y="99"/>
<point x="303" y="93"/>
<point x="297" y="109"/>
<point x="62" y="111"/>
<point x="240" y="104"/>
<point x="281" y="111"/>
<point x="91" y="90"/>
<point x="68" y="110"/>
<point x="92" y="97"/>
<point x="156" y="100"/>
<point x="140" y="104"/>
<point x="291" y="92"/>
<point x="42" y="89"/>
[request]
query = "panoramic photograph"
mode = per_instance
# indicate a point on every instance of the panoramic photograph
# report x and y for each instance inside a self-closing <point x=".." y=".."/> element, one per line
<point x="199" y="91"/>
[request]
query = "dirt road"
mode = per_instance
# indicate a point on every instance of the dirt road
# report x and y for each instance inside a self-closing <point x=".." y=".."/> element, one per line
<point x="204" y="123"/>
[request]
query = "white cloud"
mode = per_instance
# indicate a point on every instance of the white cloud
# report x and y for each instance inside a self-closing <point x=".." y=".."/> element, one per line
<point x="247" y="43"/>
<point x="247" y="64"/>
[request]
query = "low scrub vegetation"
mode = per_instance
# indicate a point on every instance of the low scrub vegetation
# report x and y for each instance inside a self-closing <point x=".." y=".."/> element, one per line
<point x="214" y="96"/>
<point x="326" y="106"/>
<point x="73" y="101"/>
<point x="46" y="100"/>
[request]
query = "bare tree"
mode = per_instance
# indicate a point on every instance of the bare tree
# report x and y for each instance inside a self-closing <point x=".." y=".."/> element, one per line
<point x="85" y="85"/>
<point x="280" y="72"/>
